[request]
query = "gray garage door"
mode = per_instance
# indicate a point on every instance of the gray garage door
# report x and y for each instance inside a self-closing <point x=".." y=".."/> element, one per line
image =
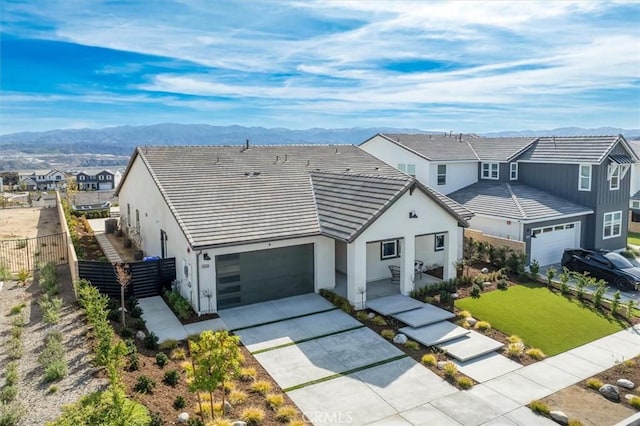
<point x="258" y="276"/>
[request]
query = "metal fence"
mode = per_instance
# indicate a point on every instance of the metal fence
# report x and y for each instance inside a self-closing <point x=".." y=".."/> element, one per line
<point x="27" y="253"/>
<point x="147" y="278"/>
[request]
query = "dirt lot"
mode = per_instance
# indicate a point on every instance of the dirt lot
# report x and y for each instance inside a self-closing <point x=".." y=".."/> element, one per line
<point x="28" y="222"/>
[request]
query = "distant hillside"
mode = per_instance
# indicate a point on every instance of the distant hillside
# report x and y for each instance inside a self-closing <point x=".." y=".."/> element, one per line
<point x="121" y="140"/>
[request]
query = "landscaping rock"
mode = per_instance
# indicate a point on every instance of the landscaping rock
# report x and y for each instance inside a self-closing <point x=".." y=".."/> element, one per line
<point x="400" y="339"/>
<point x="227" y="408"/>
<point x="140" y="335"/>
<point x="484" y="270"/>
<point x="239" y="423"/>
<point x="487" y="284"/>
<point x="471" y="321"/>
<point x="371" y="315"/>
<point x="624" y="383"/>
<point x="559" y="417"/>
<point x="610" y="392"/>
<point x="183" y="418"/>
<point x="441" y="364"/>
<point x="454" y="296"/>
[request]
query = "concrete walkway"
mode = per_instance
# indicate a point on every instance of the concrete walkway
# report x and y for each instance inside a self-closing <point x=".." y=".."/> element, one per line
<point x="161" y="321"/>
<point x="97" y="225"/>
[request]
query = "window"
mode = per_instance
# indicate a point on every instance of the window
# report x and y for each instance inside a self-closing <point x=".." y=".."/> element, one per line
<point x="101" y="177"/>
<point x="128" y="214"/>
<point x="137" y="221"/>
<point x="81" y="177"/>
<point x="57" y="177"/>
<point x="635" y="205"/>
<point x="409" y="169"/>
<point x="635" y="217"/>
<point x="442" y="174"/>
<point x="438" y="242"/>
<point x="612" y="225"/>
<point x="513" y="171"/>
<point x="108" y="177"/>
<point x="389" y="249"/>
<point x="490" y="171"/>
<point x="584" y="180"/>
<point x="614" y="177"/>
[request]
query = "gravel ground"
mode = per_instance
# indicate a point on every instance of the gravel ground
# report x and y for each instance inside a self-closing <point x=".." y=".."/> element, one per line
<point x="42" y="406"/>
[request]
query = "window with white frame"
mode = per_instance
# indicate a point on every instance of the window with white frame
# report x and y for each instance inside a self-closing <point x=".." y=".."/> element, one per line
<point x="513" y="171"/>
<point x="438" y="242"/>
<point x="108" y="177"/>
<point x="635" y="205"/>
<point x="389" y="249"/>
<point x="584" y="177"/>
<point x="614" y="177"/>
<point x="101" y="177"/>
<point x="81" y="177"/>
<point x="442" y="174"/>
<point x="612" y="226"/>
<point x="490" y="171"/>
<point x="409" y="169"/>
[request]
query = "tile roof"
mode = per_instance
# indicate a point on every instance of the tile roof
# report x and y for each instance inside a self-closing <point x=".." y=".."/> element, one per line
<point x="515" y="201"/>
<point x="225" y="195"/>
<point x="572" y="149"/>
<point x="460" y="147"/>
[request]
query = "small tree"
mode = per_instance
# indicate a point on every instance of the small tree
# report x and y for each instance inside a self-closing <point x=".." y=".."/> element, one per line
<point x="615" y="303"/>
<point x="551" y="273"/>
<point x="564" y="281"/>
<point x="123" y="275"/>
<point x="630" y="304"/>
<point x="599" y="293"/>
<point x="216" y="358"/>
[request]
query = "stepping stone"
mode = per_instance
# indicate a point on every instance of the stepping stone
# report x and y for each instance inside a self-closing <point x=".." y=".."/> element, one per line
<point x="428" y="314"/>
<point x="487" y="367"/>
<point x="390" y="305"/>
<point x="470" y="346"/>
<point x="435" y="334"/>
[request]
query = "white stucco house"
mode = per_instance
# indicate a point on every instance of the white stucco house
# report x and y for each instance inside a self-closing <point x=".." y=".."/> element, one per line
<point x="41" y="180"/>
<point x="253" y="223"/>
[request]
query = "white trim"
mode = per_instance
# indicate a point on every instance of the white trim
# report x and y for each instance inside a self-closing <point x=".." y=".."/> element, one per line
<point x="490" y="170"/>
<point x="613" y="223"/>
<point x="438" y="174"/>
<point x="635" y="204"/>
<point x="580" y="177"/>
<point x="613" y="169"/>
<point x="437" y="247"/>
<point x="395" y="251"/>
<point x="536" y="220"/>
<point x="513" y="167"/>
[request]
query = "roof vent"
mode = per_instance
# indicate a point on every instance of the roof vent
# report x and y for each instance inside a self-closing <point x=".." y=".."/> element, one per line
<point x="337" y="150"/>
<point x="308" y="163"/>
<point x="255" y="174"/>
<point x="286" y="157"/>
<point x="277" y="159"/>
<point x="460" y="138"/>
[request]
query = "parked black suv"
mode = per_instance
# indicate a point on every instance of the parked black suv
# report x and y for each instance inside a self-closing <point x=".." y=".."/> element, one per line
<point x="612" y="267"/>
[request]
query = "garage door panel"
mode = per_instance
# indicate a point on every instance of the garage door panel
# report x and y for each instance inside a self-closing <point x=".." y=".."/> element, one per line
<point x="263" y="275"/>
<point x="547" y="247"/>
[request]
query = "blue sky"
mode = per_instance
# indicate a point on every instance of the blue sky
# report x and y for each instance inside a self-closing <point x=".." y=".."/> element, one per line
<point x="461" y="66"/>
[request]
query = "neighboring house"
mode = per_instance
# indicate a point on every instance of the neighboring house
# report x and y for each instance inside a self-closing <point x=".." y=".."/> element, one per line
<point x="634" y="192"/>
<point x="265" y="222"/>
<point x="100" y="181"/>
<point x="42" y="180"/>
<point x="551" y="193"/>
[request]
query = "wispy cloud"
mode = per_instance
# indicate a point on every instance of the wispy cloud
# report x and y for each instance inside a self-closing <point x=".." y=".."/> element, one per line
<point x="461" y="65"/>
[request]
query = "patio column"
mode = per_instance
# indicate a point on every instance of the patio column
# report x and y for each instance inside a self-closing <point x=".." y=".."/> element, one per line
<point x="450" y="255"/>
<point x="357" y="273"/>
<point x="407" y="270"/>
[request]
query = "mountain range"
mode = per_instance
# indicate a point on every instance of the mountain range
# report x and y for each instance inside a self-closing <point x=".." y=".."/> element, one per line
<point x="122" y="139"/>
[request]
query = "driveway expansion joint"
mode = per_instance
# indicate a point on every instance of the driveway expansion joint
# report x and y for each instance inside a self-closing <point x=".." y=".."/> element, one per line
<point x="283" y="319"/>
<point x="308" y="339"/>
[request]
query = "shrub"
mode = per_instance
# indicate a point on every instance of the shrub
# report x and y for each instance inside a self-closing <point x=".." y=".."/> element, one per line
<point x="362" y="316"/>
<point x="144" y="384"/>
<point x="539" y="407"/>
<point x="514" y="339"/>
<point x="8" y="394"/>
<point x="23" y="275"/>
<point x="247" y="374"/>
<point x="50" y="309"/>
<point x="178" y="354"/>
<point x="132" y="355"/>
<point x="156" y="419"/>
<point x="52" y="389"/>
<point x="551" y="273"/>
<point x="635" y="402"/>
<point x="274" y="400"/>
<point x="598" y="295"/>
<point x="136" y="312"/>
<point x="162" y="359"/>
<point x="11" y="413"/>
<point x="411" y="345"/>
<point x="482" y="325"/>
<point x="615" y="303"/>
<point x="151" y="341"/>
<point x="464" y="382"/>
<point x="19" y="320"/>
<point x="464" y="314"/>
<point x="126" y="333"/>
<point x="574" y="422"/>
<point x="379" y="321"/>
<point x="16" y="309"/>
<point x="534" y="267"/>
<point x="514" y="350"/>
<point x="11" y="373"/>
<point x="286" y="413"/>
<point x="169" y="344"/>
<point x="450" y="370"/>
<point x="535" y="353"/>
<point x="179" y="402"/>
<point x="16" y="349"/>
<point x="252" y="415"/>
<point x="387" y="333"/>
<point x="16" y="331"/>
<point x="237" y="397"/>
<point x="429" y="359"/>
<point x="137" y="324"/>
<point x="114" y="315"/>
<point x="475" y="291"/>
<point x="171" y="377"/>
<point x="502" y="284"/>
<point x="262" y="387"/>
<point x="594" y="383"/>
<point x="55" y="371"/>
<point x="178" y="304"/>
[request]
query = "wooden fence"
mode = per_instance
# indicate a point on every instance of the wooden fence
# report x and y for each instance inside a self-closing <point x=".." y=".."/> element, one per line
<point x="27" y="253"/>
<point x="147" y="278"/>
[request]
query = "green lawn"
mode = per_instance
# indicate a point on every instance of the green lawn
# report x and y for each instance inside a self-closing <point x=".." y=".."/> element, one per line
<point x="633" y="238"/>
<point x="541" y="318"/>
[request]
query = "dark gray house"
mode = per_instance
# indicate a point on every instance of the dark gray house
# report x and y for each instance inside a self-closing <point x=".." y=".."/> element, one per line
<point x="102" y="180"/>
<point x="551" y="193"/>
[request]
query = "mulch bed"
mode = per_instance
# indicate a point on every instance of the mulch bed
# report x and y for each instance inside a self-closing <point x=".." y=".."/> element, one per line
<point x="625" y="369"/>
<point x="88" y="243"/>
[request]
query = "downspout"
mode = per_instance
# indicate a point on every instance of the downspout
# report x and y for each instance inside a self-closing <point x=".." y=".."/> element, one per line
<point x="198" y="253"/>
